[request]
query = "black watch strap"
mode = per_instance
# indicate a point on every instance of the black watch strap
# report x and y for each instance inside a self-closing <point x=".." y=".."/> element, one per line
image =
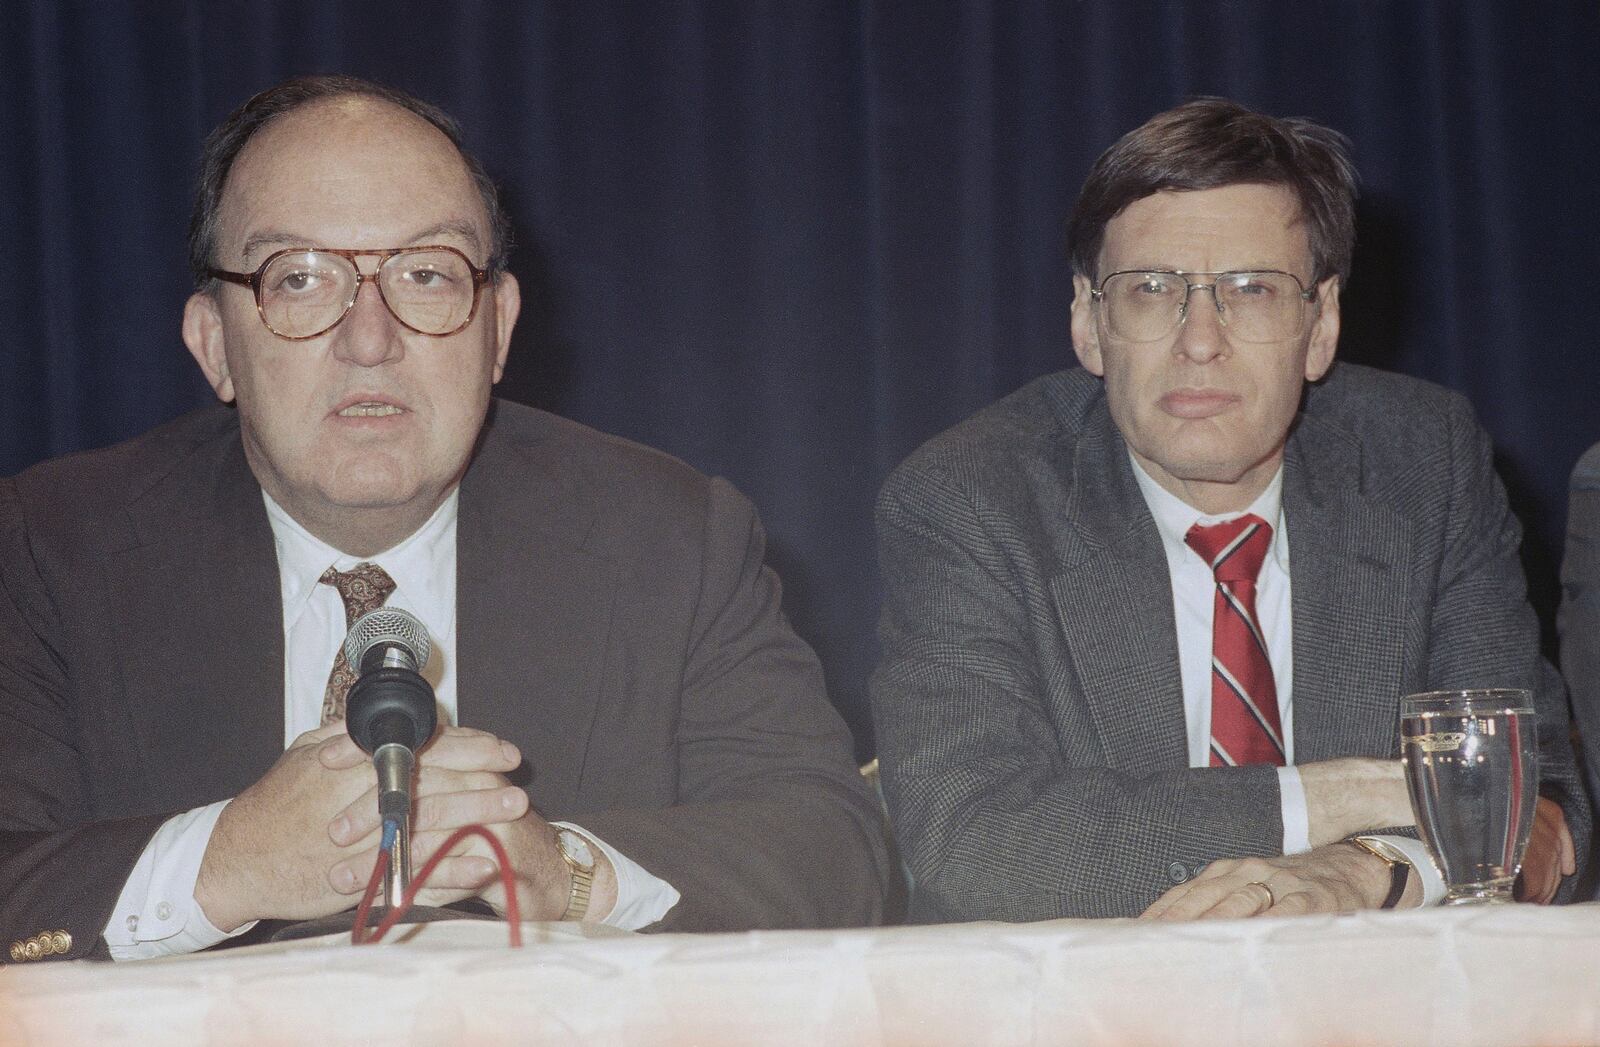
<point x="1397" y="871"/>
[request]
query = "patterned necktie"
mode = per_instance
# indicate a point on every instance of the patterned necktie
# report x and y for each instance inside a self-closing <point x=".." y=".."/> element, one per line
<point x="363" y="588"/>
<point x="1244" y="700"/>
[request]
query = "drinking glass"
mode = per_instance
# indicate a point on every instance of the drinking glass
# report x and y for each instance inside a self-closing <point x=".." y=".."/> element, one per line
<point x="1472" y="765"/>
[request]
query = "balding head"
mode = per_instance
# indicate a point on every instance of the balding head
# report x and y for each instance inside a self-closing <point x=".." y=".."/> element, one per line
<point x="224" y="145"/>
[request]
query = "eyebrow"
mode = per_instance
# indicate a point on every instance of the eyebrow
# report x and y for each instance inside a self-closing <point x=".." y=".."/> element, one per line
<point x="256" y="241"/>
<point x="1263" y="268"/>
<point x="456" y="226"/>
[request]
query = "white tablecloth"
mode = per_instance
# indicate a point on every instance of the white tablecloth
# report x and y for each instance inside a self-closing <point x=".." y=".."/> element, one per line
<point x="1459" y="977"/>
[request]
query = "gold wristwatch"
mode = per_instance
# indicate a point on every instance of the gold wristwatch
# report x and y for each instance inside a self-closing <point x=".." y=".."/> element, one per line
<point x="579" y="856"/>
<point x="1399" y="867"/>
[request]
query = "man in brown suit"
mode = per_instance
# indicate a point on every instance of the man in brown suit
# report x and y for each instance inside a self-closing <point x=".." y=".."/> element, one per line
<point x="646" y="726"/>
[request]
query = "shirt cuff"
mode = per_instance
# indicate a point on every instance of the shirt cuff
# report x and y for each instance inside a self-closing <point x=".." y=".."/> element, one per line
<point x="642" y="898"/>
<point x="1296" y="820"/>
<point x="156" y="913"/>
<point x="1416" y="853"/>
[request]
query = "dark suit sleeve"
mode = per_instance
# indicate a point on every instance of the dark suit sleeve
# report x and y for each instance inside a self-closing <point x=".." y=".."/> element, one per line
<point x="774" y="826"/>
<point x="997" y="781"/>
<point x="1580" y="611"/>
<point x="1483" y="633"/>
<point x="58" y="871"/>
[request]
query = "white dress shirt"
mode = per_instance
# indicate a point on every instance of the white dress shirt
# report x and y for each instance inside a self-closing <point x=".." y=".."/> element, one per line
<point x="1193" y="600"/>
<point x="156" y="914"/>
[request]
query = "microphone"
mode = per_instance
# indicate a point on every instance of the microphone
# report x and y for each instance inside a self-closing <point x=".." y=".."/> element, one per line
<point x="390" y="713"/>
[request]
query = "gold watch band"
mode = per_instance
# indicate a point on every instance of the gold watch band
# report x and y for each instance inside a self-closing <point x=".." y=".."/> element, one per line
<point x="582" y="885"/>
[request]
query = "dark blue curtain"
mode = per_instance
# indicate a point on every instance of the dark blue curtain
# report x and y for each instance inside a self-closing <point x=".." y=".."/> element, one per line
<point x="788" y="241"/>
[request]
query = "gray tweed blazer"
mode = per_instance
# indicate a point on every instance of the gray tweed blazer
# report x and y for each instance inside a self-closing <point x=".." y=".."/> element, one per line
<point x="1580" y="616"/>
<point x="1028" y="704"/>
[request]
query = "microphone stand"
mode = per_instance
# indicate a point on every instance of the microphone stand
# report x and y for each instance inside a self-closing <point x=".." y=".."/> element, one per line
<point x="397" y="874"/>
<point x="397" y="877"/>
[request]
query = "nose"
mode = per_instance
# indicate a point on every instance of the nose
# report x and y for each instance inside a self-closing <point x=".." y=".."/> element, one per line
<point x="1202" y="336"/>
<point x="369" y="334"/>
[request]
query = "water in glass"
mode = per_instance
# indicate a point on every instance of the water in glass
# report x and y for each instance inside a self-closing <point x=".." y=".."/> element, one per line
<point x="1472" y="765"/>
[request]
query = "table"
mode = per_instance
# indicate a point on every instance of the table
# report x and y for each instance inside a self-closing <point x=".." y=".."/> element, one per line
<point x="1458" y="977"/>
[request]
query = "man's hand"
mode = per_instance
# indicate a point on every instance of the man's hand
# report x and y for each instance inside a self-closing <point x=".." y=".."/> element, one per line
<point x="268" y="856"/>
<point x="542" y="879"/>
<point x="1550" y="855"/>
<point x="274" y="851"/>
<point x="1340" y="877"/>
<point x="1351" y="795"/>
<point x="460" y="781"/>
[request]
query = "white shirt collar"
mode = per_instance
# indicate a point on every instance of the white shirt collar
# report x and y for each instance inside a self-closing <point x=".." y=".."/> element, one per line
<point x="419" y="565"/>
<point x="1174" y="516"/>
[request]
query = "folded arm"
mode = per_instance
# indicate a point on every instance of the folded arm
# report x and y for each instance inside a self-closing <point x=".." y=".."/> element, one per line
<point x="773" y="826"/>
<point x="60" y="869"/>
<point x="1483" y="633"/>
<point x="997" y="774"/>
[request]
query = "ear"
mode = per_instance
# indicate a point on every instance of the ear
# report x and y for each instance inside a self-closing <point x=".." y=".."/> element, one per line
<point x="1085" y="329"/>
<point x="202" y="333"/>
<point x="1325" y="332"/>
<point x="507" y="306"/>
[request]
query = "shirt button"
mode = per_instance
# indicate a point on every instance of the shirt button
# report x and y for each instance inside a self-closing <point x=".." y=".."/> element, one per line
<point x="133" y="924"/>
<point x="164" y="911"/>
<point x="1178" y="873"/>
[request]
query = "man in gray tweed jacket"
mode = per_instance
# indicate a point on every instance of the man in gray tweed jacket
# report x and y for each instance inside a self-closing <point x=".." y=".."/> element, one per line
<point x="1076" y="717"/>
<point x="1580" y="615"/>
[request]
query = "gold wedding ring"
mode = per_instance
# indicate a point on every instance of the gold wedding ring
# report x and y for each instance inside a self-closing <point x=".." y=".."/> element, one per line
<point x="1272" y="899"/>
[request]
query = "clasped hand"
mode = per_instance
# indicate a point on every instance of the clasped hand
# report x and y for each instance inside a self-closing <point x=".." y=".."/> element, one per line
<point x="302" y="842"/>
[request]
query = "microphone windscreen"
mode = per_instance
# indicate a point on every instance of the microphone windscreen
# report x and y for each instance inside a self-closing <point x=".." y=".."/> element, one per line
<point x="388" y="625"/>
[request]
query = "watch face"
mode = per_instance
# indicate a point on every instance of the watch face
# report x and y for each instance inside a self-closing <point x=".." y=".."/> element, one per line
<point x="576" y="848"/>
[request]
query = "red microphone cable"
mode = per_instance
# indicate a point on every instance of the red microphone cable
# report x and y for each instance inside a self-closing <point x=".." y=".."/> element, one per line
<point x="513" y="914"/>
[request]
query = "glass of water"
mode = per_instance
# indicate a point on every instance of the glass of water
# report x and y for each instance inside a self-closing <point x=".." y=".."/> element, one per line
<point x="1472" y="765"/>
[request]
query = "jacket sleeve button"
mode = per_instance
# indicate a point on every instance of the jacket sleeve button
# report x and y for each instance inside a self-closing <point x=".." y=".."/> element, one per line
<point x="1177" y="872"/>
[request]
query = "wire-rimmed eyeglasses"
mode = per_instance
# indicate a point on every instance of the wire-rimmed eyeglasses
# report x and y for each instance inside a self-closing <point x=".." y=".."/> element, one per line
<point x="1147" y="305"/>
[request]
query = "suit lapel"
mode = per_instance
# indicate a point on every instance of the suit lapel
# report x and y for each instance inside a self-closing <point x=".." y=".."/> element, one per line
<point x="198" y="613"/>
<point x="1114" y="601"/>
<point x="533" y="610"/>
<point x="1348" y="558"/>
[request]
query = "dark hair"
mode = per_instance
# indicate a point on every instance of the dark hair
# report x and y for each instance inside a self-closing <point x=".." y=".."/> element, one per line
<point x="223" y="145"/>
<point x="1207" y="143"/>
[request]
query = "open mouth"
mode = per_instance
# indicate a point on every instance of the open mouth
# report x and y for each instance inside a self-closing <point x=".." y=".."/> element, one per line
<point x="369" y="409"/>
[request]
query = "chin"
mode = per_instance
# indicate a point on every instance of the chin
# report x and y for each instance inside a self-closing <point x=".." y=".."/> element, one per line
<point x="371" y="491"/>
<point x="1230" y="470"/>
<point x="1204" y="468"/>
<point x="1205" y="473"/>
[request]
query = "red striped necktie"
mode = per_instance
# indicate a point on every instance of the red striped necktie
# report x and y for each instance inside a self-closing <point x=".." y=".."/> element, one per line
<point x="1244" y="700"/>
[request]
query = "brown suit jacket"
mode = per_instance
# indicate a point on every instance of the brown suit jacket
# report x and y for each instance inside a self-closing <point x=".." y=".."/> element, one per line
<point x="615" y="621"/>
